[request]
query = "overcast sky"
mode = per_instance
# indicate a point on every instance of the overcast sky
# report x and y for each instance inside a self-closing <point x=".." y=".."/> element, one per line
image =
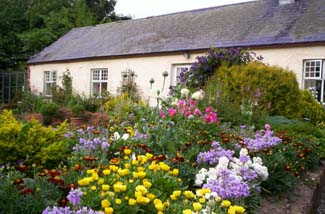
<point x="144" y="8"/>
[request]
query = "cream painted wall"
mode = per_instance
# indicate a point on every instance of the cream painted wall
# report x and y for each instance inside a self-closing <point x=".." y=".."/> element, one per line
<point x="147" y="67"/>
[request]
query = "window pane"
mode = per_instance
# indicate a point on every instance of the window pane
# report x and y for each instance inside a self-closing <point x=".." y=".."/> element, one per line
<point x="312" y="63"/>
<point x="307" y="63"/>
<point x="314" y="86"/>
<point x="317" y="63"/>
<point x="48" y="89"/>
<point x="104" y="89"/>
<point x="96" y="88"/>
<point x="53" y="76"/>
<point x="96" y="74"/>
<point x="104" y="75"/>
<point x="306" y="74"/>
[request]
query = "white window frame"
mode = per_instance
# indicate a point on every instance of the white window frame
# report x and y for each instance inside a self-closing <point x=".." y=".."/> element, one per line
<point x="176" y="70"/>
<point x="99" y="75"/>
<point x="50" y="78"/>
<point x="310" y="73"/>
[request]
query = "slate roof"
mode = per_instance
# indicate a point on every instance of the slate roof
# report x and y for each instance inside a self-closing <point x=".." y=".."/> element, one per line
<point x="261" y="22"/>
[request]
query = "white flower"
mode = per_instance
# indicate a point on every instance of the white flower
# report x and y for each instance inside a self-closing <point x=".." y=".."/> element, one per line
<point x="185" y="92"/>
<point x="116" y="136"/>
<point x="257" y="160"/>
<point x="223" y="161"/>
<point x="125" y="136"/>
<point x="243" y="152"/>
<point x="199" y="95"/>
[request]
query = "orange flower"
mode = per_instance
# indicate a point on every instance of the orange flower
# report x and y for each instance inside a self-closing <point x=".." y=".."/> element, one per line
<point x="114" y="161"/>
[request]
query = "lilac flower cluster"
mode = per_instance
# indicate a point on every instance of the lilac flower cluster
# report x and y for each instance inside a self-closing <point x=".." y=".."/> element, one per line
<point x="232" y="177"/>
<point x="214" y="154"/>
<point x="74" y="196"/>
<point x="228" y="186"/>
<point x="91" y="145"/>
<point x="67" y="210"/>
<point x="263" y="139"/>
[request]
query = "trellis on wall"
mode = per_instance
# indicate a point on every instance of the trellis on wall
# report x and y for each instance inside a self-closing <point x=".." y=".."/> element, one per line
<point x="11" y="84"/>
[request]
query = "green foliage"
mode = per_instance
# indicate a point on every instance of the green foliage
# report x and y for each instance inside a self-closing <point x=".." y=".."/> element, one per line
<point x="29" y="26"/>
<point x="78" y="110"/>
<point x="30" y="103"/>
<point x="49" y="110"/>
<point x="30" y="141"/>
<point x="269" y="88"/>
<point x="129" y="86"/>
<point x="15" y="199"/>
<point x="312" y="109"/>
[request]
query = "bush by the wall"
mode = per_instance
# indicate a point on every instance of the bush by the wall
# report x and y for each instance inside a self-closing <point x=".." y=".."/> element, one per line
<point x="267" y="87"/>
<point x="311" y="109"/>
<point x="49" y="111"/>
<point x="31" y="141"/>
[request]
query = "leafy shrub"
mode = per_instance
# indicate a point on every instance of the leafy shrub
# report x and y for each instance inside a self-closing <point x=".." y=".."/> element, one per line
<point x="30" y="141"/>
<point x="269" y="87"/>
<point x="78" y="110"/>
<point x="49" y="111"/>
<point x="312" y="109"/>
<point x="30" y="103"/>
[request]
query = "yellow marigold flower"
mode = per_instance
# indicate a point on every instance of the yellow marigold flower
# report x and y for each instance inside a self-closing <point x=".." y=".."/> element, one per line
<point x="109" y="210"/>
<point x="157" y="201"/>
<point x="135" y="174"/>
<point x="166" y="203"/>
<point x="173" y="197"/>
<point x="146" y="183"/>
<point x="130" y="181"/>
<point x="127" y="151"/>
<point x="148" y="155"/>
<point x="107" y="172"/>
<point x="95" y="176"/>
<point x="218" y="199"/>
<point x="118" y="201"/>
<point x="100" y="181"/>
<point x="140" y="169"/>
<point x="105" y="203"/>
<point x="127" y="166"/>
<point x="153" y="166"/>
<point x="111" y="194"/>
<point x="113" y="168"/>
<point x="187" y="211"/>
<point x="142" y="174"/>
<point x="164" y="166"/>
<point x="175" y="172"/>
<point x="93" y="187"/>
<point x="159" y="212"/>
<point x="159" y="206"/>
<point x="123" y="172"/>
<point x="135" y="162"/>
<point x="202" y="200"/>
<point x="189" y="194"/>
<point x="105" y="187"/>
<point x="239" y="209"/>
<point x="231" y="210"/>
<point x="197" y="206"/>
<point x="225" y="203"/>
<point x="91" y="171"/>
<point x="151" y="196"/>
<point x="177" y="193"/>
<point x="142" y="189"/>
<point x="132" y="201"/>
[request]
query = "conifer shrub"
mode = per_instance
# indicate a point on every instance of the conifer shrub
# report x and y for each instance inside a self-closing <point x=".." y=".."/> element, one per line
<point x="255" y="85"/>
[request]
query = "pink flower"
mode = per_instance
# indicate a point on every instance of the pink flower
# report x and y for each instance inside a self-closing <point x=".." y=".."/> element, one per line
<point x="172" y="112"/>
<point x="197" y="112"/>
<point x="162" y="114"/>
<point x="181" y="106"/>
<point x="187" y="114"/>
<point x="267" y="127"/>
<point x="192" y="103"/>
<point x="211" y="118"/>
<point x="208" y="109"/>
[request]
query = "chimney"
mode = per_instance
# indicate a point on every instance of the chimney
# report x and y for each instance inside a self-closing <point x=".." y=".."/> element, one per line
<point x="283" y="2"/>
